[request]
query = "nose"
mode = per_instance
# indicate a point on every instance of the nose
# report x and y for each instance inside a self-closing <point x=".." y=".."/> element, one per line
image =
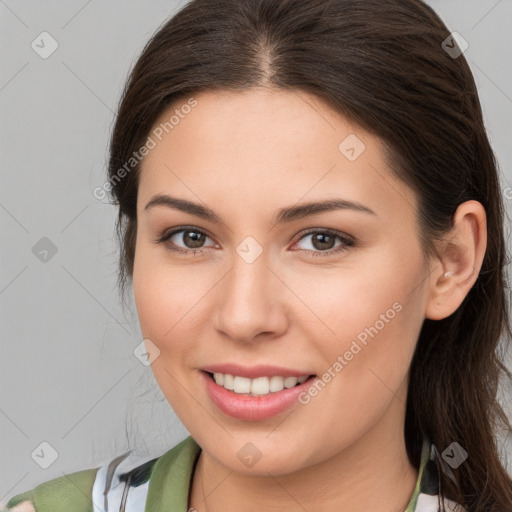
<point x="251" y="301"/>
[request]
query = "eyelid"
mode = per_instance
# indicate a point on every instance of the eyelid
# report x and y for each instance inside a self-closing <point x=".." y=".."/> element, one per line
<point x="171" y="232"/>
<point x="329" y="231"/>
<point x="347" y="240"/>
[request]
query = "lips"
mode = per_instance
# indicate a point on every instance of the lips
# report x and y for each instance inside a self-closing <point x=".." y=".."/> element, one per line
<point x="253" y="408"/>
<point x="253" y="372"/>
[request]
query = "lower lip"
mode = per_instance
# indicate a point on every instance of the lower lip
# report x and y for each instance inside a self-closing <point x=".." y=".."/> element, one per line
<point x="253" y="408"/>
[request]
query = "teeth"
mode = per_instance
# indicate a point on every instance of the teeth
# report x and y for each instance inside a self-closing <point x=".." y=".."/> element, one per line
<point x="258" y="386"/>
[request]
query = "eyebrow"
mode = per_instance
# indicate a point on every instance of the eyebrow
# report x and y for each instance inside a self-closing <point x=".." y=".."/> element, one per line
<point x="288" y="214"/>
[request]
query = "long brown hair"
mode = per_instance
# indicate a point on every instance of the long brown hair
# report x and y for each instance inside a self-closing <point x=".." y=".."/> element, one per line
<point x="381" y="64"/>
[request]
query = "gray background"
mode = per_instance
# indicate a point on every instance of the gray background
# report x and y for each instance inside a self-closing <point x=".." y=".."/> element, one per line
<point x="68" y="373"/>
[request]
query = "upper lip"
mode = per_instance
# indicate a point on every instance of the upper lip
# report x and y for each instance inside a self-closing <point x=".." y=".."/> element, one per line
<point x="252" y="372"/>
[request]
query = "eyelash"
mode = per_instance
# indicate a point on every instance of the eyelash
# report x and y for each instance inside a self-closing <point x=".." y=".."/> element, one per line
<point x="346" y="242"/>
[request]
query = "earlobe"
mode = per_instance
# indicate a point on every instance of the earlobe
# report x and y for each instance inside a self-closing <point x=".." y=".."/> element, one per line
<point x="461" y="256"/>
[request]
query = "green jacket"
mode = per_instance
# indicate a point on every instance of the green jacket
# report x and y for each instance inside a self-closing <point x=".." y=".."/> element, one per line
<point x="162" y="485"/>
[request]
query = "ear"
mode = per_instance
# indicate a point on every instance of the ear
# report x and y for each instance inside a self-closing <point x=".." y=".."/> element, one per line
<point x="461" y="254"/>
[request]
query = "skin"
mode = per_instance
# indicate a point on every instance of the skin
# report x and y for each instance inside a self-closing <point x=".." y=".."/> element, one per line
<point x="26" y="506"/>
<point x="245" y="155"/>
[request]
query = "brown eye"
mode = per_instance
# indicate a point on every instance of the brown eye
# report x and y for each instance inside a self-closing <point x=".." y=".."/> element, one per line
<point x="187" y="241"/>
<point x="325" y="241"/>
<point x="322" y="241"/>
<point x="189" y="238"/>
<point x="193" y="239"/>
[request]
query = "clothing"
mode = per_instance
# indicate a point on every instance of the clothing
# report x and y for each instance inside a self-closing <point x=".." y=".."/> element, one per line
<point x="161" y="484"/>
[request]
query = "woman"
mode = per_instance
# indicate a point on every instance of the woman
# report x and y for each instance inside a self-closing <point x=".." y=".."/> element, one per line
<point x="311" y="220"/>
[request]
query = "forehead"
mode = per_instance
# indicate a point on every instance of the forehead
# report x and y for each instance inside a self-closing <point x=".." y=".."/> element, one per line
<point x="267" y="145"/>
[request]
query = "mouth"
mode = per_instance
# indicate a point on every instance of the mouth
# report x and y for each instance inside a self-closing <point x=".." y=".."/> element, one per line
<point x="247" y="406"/>
<point x="258" y="387"/>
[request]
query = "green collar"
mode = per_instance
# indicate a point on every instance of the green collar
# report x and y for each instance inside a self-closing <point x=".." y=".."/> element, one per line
<point x="171" y="477"/>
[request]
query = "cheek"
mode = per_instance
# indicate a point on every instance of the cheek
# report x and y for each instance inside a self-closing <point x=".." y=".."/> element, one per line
<point x="157" y="292"/>
<point x="372" y="319"/>
<point x="150" y="301"/>
<point x="347" y="303"/>
<point x="168" y="301"/>
<point x="167" y="319"/>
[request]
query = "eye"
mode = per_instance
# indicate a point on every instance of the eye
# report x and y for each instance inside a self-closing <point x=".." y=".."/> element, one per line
<point x="322" y="242"/>
<point x="191" y="237"/>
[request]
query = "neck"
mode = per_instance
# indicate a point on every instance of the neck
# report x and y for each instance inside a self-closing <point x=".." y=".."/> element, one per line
<point x="372" y="473"/>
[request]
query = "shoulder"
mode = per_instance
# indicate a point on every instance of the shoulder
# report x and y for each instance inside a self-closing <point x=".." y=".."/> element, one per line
<point x="86" y="490"/>
<point x="68" y="492"/>
<point x="120" y="484"/>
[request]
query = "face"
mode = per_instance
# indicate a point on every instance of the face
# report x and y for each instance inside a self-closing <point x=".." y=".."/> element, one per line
<point x="337" y="293"/>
